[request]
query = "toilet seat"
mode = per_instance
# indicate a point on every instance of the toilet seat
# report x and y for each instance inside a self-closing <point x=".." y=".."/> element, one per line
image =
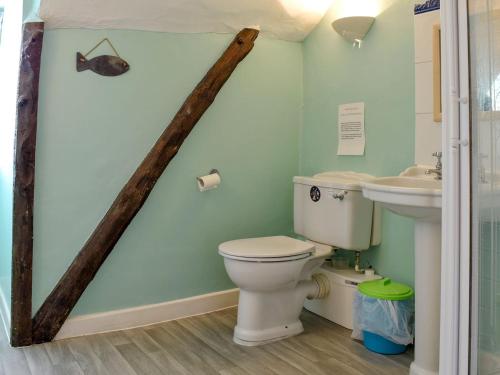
<point x="267" y="249"/>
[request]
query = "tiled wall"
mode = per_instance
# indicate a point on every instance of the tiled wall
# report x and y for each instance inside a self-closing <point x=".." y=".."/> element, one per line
<point x="427" y="132"/>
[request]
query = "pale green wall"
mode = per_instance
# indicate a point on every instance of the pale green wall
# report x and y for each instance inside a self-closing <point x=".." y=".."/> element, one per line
<point x="381" y="74"/>
<point x="93" y="131"/>
<point x="6" y="183"/>
<point x="9" y="68"/>
<point x="30" y="10"/>
<point x="6" y="222"/>
<point x="6" y="196"/>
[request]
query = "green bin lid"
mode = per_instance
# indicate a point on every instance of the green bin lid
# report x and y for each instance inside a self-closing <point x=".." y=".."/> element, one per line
<point x="386" y="289"/>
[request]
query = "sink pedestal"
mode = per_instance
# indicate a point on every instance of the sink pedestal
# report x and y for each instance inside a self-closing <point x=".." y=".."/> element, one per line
<point x="427" y="296"/>
<point x="414" y="195"/>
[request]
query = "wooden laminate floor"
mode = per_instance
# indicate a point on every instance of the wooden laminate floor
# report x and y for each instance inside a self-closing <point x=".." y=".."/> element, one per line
<point x="202" y="345"/>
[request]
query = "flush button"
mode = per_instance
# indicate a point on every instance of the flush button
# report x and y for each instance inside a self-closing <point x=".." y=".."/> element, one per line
<point x="315" y="194"/>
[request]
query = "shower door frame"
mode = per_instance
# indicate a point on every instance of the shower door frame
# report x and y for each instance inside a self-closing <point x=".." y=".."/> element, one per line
<point x="455" y="328"/>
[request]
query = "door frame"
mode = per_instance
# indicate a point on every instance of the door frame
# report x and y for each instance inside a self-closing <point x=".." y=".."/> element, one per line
<point x="456" y="214"/>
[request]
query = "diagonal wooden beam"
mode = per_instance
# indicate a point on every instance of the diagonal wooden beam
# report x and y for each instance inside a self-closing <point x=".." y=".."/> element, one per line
<point x="56" y="308"/>
<point x="24" y="183"/>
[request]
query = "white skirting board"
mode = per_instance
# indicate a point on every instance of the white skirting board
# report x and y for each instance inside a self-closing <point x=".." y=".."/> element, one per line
<point x="148" y="314"/>
<point x="4" y="314"/>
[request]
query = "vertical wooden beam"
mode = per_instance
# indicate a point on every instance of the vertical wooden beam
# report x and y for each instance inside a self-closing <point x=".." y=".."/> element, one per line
<point x="56" y="308"/>
<point x="24" y="183"/>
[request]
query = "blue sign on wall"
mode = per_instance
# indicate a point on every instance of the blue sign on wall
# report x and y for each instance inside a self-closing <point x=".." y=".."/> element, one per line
<point x="428" y="6"/>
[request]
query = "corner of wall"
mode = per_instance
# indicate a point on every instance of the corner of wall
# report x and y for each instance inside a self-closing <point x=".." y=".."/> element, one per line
<point x="4" y="313"/>
<point x="301" y="110"/>
<point x="381" y="74"/>
<point x="30" y="11"/>
<point x="9" y="72"/>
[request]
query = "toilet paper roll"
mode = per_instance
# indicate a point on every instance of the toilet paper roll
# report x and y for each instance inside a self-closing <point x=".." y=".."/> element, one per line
<point x="208" y="182"/>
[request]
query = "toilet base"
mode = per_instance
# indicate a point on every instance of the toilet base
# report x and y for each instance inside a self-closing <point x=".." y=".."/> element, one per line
<point x="265" y="336"/>
<point x="271" y="315"/>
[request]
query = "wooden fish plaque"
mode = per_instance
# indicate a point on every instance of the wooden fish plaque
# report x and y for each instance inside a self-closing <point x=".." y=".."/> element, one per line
<point x="105" y="65"/>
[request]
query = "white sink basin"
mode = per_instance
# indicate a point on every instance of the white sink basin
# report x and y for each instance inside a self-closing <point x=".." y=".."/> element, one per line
<point x="416" y="197"/>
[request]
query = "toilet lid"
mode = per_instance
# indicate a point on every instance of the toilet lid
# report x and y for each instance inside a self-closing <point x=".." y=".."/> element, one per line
<point x="266" y="247"/>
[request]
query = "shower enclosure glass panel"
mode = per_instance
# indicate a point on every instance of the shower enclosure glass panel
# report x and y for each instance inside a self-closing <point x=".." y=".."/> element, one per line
<point x="484" y="47"/>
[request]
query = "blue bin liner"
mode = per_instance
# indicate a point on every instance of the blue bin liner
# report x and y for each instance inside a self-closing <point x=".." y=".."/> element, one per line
<point x="393" y="320"/>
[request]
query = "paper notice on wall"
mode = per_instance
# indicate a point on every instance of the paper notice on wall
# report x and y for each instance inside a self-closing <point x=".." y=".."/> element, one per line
<point x="351" y="129"/>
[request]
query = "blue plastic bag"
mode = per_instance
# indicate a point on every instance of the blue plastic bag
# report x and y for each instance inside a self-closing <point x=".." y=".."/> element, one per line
<point x="393" y="320"/>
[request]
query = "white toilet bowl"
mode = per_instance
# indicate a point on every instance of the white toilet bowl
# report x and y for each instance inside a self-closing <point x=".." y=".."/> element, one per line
<point x="274" y="275"/>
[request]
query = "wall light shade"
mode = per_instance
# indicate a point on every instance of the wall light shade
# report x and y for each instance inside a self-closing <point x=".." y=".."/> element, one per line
<point x="353" y="29"/>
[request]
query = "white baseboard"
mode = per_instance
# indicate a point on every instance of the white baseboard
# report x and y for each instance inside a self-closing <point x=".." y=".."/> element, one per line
<point x="4" y="314"/>
<point x="148" y="314"/>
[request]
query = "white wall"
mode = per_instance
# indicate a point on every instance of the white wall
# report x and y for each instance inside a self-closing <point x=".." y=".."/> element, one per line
<point x="427" y="132"/>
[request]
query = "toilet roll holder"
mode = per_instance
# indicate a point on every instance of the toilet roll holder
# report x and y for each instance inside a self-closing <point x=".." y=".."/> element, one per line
<point x="201" y="183"/>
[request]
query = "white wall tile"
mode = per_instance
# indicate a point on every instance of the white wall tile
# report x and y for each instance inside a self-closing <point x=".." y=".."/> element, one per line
<point x="423" y="88"/>
<point x="423" y="35"/>
<point x="427" y="139"/>
<point x="427" y="132"/>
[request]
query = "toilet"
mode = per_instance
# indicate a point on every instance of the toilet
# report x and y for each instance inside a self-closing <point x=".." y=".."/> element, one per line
<point x="276" y="274"/>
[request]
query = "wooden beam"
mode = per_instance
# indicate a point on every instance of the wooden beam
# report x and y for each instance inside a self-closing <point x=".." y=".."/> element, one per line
<point x="24" y="183"/>
<point x="54" y="311"/>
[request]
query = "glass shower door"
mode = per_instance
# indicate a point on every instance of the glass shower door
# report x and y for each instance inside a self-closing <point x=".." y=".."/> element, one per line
<point x="484" y="49"/>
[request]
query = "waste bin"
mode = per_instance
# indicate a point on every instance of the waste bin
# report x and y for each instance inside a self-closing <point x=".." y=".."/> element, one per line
<point x="384" y="316"/>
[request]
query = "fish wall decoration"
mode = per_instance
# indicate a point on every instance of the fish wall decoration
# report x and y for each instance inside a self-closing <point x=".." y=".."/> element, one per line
<point x="105" y="65"/>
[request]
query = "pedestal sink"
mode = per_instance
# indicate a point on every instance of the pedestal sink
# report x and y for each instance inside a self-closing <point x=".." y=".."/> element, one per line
<point x="416" y="195"/>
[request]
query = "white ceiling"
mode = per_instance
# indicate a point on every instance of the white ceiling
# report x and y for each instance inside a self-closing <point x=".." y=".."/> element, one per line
<point x="282" y="19"/>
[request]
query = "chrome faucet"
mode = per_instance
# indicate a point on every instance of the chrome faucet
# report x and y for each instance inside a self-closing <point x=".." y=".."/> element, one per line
<point x="438" y="171"/>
